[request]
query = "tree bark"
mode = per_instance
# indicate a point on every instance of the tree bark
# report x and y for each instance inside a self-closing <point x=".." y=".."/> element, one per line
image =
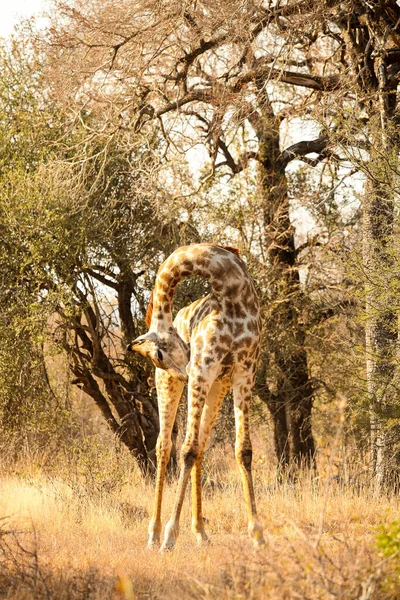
<point x="125" y="402"/>
<point x="381" y="329"/>
<point x="294" y="396"/>
<point x="291" y="406"/>
<point x="368" y="44"/>
<point x="281" y="432"/>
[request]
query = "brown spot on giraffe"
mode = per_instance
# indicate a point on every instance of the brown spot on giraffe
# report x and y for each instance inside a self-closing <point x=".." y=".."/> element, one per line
<point x="225" y="339"/>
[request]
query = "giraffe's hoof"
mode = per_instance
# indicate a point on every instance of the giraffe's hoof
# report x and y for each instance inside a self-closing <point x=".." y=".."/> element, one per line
<point x="259" y="542"/>
<point x="153" y="542"/>
<point x="167" y="546"/>
<point x="203" y="542"/>
<point x="171" y="533"/>
<point x="256" y="534"/>
<point x="202" y="538"/>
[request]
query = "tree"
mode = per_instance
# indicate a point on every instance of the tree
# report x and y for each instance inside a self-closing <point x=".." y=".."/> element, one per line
<point x="352" y="49"/>
<point x="80" y="241"/>
<point x="370" y="37"/>
<point x="205" y="80"/>
<point x="229" y="77"/>
<point x="27" y="403"/>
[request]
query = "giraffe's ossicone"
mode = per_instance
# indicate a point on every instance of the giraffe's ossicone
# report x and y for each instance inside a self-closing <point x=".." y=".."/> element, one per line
<point x="212" y="345"/>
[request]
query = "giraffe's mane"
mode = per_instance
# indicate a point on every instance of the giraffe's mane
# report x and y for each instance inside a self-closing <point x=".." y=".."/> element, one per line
<point x="149" y="311"/>
<point x="230" y="249"/>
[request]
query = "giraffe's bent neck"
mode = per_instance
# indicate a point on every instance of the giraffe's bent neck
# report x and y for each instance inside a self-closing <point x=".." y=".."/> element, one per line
<point x="218" y="265"/>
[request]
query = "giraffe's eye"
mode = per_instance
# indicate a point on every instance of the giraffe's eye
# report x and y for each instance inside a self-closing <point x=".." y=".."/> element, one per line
<point x="159" y="355"/>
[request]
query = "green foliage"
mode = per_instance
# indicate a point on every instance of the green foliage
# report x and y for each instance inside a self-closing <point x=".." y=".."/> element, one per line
<point x="30" y="246"/>
<point x="388" y="540"/>
<point x="77" y="222"/>
<point x="28" y="121"/>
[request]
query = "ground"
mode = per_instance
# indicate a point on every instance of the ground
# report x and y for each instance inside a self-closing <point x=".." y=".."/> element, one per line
<point x="78" y="534"/>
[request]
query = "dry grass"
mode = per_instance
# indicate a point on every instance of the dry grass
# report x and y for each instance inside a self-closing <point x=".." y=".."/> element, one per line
<point x="64" y="537"/>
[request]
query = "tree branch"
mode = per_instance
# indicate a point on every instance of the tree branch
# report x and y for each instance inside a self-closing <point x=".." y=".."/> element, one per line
<point x="192" y="96"/>
<point x="264" y="72"/>
<point x="101" y="278"/>
<point x="241" y="164"/>
<point x="301" y="149"/>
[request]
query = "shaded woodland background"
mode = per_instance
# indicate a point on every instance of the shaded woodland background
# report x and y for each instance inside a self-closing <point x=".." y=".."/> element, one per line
<point x="131" y="128"/>
<point x="128" y="129"/>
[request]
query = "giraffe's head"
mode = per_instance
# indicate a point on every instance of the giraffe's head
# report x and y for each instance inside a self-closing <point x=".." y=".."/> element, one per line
<point x="166" y="350"/>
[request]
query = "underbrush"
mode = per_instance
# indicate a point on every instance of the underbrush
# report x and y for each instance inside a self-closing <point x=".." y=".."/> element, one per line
<point x="76" y="529"/>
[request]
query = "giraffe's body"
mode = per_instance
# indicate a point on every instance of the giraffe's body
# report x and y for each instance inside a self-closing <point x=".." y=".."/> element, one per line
<point x="213" y="344"/>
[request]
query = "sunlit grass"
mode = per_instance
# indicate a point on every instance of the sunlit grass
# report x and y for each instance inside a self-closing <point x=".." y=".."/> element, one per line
<point x="321" y="539"/>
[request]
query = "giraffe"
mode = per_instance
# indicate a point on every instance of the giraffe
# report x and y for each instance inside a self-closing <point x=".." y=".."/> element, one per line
<point x="212" y="345"/>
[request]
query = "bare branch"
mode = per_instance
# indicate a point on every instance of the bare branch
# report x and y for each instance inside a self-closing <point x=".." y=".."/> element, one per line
<point x="301" y="149"/>
<point x="105" y="280"/>
<point x="241" y="164"/>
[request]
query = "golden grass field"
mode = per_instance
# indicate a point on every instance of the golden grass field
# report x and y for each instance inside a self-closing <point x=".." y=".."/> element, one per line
<point x="77" y="534"/>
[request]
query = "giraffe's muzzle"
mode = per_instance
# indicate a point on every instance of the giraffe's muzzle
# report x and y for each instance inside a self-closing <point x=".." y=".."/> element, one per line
<point x="133" y="345"/>
<point x="139" y="344"/>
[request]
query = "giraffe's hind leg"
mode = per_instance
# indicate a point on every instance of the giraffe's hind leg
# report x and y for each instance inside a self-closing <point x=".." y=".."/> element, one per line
<point x="242" y="389"/>
<point x="213" y="402"/>
<point x="169" y="391"/>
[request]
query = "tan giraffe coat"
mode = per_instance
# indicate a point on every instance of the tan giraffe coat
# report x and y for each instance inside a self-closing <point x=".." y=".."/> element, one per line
<point x="213" y="345"/>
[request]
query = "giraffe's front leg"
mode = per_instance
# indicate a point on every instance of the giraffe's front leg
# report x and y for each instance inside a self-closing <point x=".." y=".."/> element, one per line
<point x="210" y="411"/>
<point x="169" y="391"/>
<point x="204" y="368"/>
<point x="189" y="455"/>
<point x="197" y="393"/>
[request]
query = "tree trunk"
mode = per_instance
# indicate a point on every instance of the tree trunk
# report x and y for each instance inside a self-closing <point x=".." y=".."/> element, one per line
<point x="126" y="404"/>
<point x="285" y="333"/>
<point x="369" y="41"/>
<point x="291" y="403"/>
<point x="381" y="330"/>
<point x="281" y="432"/>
